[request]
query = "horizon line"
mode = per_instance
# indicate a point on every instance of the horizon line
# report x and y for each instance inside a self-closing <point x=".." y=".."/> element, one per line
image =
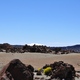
<point x="42" y="44"/>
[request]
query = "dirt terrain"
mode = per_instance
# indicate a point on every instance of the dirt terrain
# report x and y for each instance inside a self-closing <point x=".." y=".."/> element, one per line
<point x="37" y="60"/>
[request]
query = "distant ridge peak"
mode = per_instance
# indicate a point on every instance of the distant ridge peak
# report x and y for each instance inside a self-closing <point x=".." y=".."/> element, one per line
<point x="35" y="44"/>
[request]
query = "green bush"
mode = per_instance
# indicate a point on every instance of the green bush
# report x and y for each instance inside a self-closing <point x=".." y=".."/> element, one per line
<point x="47" y="70"/>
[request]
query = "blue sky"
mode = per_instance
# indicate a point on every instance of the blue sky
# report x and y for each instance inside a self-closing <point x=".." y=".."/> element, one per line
<point x="48" y="22"/>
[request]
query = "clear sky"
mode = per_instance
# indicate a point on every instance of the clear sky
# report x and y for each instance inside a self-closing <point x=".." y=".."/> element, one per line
<point x="48" y="22"/>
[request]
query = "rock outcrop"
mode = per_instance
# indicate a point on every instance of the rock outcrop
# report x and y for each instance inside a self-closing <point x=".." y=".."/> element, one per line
<point x="36" y="48"/>
<point x="16" y="70"/>
<point x="59" y="70"/>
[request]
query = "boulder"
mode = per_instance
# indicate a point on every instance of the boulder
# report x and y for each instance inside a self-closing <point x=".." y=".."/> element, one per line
<point x="62" y="70"/>
<point x="16" y="70"/>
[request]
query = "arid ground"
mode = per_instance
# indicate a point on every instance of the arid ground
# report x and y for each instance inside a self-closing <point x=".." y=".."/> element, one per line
<point x="38" y="60"/>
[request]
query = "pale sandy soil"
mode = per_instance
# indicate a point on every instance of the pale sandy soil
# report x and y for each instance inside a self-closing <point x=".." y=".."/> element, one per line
<point x="38" y="60"/>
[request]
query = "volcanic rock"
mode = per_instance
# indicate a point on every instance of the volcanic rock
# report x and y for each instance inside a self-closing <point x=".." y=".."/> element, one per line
<point x="16" y="70"/>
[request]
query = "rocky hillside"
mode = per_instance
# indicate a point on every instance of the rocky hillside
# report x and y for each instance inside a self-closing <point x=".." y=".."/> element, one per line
<point x="75" y="48"/>
<point x="24" y="48"/>
<point x="37" y="48"/>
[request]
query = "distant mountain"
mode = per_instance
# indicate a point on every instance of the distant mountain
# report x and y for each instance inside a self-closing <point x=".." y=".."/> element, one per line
<point x="75" y="48"/>
<point x="17" y="46"/>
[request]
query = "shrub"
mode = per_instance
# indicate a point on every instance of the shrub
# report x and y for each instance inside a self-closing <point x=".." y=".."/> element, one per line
<point x="47" y="70"/>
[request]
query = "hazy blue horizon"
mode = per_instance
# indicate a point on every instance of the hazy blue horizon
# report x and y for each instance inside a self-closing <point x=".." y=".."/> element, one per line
<point x="47" y="22"/>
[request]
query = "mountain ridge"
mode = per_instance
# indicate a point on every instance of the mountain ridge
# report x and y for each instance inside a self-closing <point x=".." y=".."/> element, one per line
<point x="75" y="48"/>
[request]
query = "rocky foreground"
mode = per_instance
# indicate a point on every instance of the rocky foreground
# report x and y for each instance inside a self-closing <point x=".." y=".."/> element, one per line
<point x="16" y="70"/>
<point x="39" y="60"/>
